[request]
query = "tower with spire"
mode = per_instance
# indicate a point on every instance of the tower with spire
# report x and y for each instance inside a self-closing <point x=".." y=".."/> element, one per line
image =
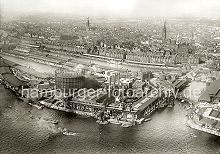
<point x="164" y="35"/>
<point x="88" y="24"/>
<point x="0" y="17"/>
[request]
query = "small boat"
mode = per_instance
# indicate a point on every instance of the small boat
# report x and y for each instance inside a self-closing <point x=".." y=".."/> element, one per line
<point x="102" y="122"/>
<point x="170" y="106"/>
<point x="66" y="132"/>
<point x="193" y="135"/>
<point x="69" y="133"/>
<point x="54" y="121"/>
<point x="37" y="106"/>
<point x="140" y="121"/>
<point x="126" y="125"/>
<point x="114" y="121"/>
<point x="9" y="106"/>
<point x="148" y="119"/>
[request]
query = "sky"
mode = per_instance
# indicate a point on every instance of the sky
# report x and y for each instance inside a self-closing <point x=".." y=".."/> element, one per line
<point x="128" y="8"/>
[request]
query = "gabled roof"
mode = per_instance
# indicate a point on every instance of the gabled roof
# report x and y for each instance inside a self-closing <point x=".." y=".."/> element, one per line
<point x="180" y="84"/>
<point x="7" y="63"/>
<point x="11" y="79"/>
<point x="213" y="89"/>
<point x="4" y="70"/>
<point x="201" y="111"/>
<point x="2" y="63"/>
<point x="33" y="72"/>
<point x="218" y="116"/>
<point x="214" y="113"/>
<point x="208" y="121"/>
<point x="217" y="125"/>
<point x="218" y="94"/>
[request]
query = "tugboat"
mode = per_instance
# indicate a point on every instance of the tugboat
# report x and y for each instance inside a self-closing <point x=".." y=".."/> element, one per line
<point x="52" y="121"/>
<point x="66" y="132"/>
<point x="127" y="124"/>
<point x="69" y="133"/>
<point x="148" y="119"/>
<point x="39" y="107"/>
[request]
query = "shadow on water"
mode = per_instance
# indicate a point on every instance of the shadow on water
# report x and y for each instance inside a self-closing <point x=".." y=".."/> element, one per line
<point x="171" y="109"/>
<point x="66" y="115"/>
<point x="160" y="110"/>
<point x="212" y="139"/>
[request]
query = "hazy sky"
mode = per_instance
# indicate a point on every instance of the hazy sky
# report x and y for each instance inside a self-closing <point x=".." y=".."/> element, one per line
<point x="115" y="7"/>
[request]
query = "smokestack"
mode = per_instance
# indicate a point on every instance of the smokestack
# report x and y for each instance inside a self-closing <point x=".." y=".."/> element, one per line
<point x="88" y="24"/>
<point x="192" y="35"/>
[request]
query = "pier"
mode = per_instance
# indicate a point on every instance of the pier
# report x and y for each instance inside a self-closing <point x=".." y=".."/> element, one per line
<point x="192" y="125"/>
<point x="104" y="108"/>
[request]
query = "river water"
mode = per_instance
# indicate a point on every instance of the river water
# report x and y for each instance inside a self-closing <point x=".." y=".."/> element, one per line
<point x="22" y="130"/>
